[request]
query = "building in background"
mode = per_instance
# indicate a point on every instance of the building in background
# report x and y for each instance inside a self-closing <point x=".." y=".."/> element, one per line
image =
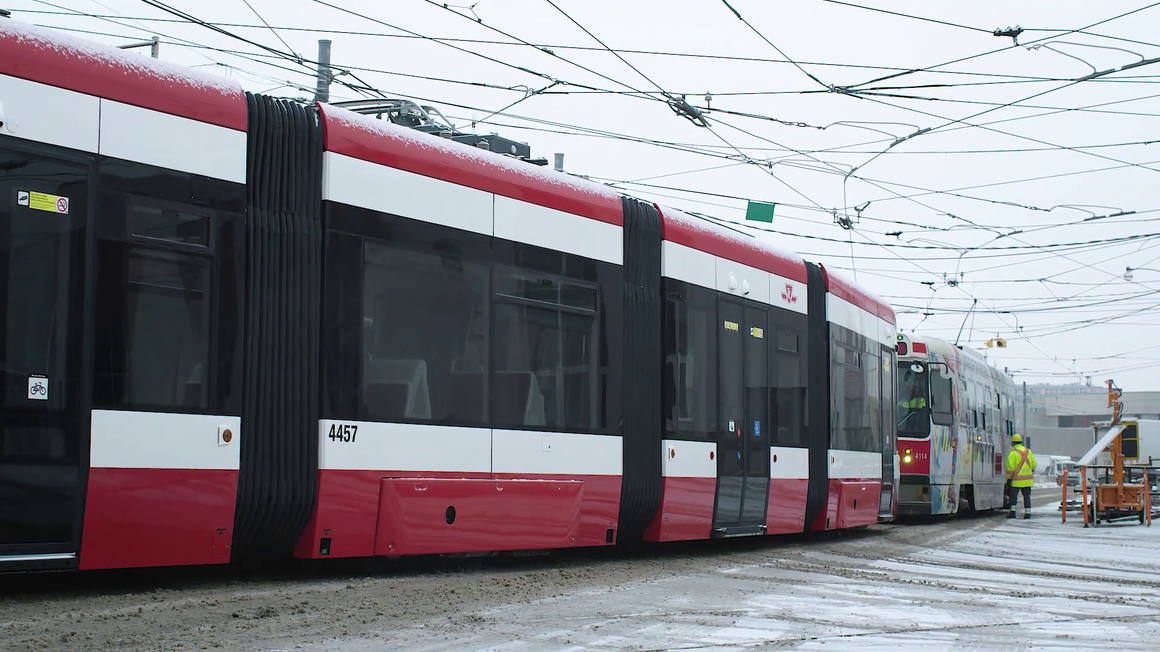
<point x="1059" y="418"/>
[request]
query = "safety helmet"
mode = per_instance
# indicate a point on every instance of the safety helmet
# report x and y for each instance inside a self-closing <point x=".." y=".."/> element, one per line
<point x="1016" y="438"/>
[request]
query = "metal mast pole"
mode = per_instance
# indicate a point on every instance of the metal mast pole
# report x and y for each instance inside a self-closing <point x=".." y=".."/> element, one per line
<point x="1026" y="430"/>
<point x="322" y="92"/>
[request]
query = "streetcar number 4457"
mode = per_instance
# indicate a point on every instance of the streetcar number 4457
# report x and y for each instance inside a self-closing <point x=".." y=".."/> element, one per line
<point x="343" y="432"/>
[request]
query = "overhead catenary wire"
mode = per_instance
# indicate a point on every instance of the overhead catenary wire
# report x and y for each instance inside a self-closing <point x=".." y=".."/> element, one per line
<point x="912" y="17"/>
<point x="272" y="30"/>
<point x="681" y="102"/>
<point x="772" y="45"/>
<point x="960" y="288"/>
<point x="506" y="64"/>
<point x="743" y="148"/>
<point x="1004" y="49"/>
<point x="537" y="48"/>
<point x="1013" y="135"/>
<point x="551" y="46"/>
<point x="966" y="120"/>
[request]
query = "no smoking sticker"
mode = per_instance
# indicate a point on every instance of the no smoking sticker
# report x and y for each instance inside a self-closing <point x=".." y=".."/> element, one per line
<point x="42" y="201"/>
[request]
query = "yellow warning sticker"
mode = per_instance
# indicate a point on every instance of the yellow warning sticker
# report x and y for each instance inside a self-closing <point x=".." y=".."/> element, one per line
<point x="732" y="326"/>
<point x="757" y="332"/>
<point x="42" y="201"/>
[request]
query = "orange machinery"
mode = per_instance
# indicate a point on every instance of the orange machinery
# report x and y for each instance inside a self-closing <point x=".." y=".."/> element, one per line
<point x="1118" y="496"/>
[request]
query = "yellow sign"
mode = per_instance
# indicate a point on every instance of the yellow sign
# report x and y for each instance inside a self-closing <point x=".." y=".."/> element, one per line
<point x="732" y="326"/>
<point x="42" y="201"/>
<point x="757" y="332"/>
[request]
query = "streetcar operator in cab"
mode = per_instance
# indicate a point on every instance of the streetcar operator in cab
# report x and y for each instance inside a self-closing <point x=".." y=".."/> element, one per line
<point x="1020" y="470"/>
<point x="912" y="411"/>
<point x="916" y="402"/>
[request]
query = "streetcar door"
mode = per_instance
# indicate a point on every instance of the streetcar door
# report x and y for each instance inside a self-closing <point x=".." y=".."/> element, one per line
<point x="756" y="495"/>
<point x="43" y="212"/>
<point x="743" y="435"/>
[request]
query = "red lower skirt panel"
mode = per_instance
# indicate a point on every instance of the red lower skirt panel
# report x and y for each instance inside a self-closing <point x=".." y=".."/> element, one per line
<point x="599" y="508"/>
<point x="686" y="511"/>
<point x="850" y="503"/>
<point x="365" y="513"/>
<point x="158" y="517"/>
<point x="428" y="516"/>
<point x="786" y="513"/>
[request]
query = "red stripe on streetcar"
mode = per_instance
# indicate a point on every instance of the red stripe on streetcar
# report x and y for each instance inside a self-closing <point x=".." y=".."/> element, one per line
<point x="60" y="60"/>
<point x="703" y="235"/>
<point x="844" y="289"/>
<point x="402" y="148"/>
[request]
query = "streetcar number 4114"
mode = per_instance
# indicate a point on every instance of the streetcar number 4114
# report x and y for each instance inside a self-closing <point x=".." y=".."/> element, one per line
<point x="343" y="432"/>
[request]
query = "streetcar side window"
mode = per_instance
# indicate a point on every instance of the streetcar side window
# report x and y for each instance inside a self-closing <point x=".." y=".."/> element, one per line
<point x="941" y="406"/>
<point x="551" y="343"/>
<point x="155" y="305"/>
<point x="424" y="328"/>
<point x="169" y="300"/>
<point x="854" y="391"/>
<point x="424" y="323"/>
<point x="165" y="223"/>
<point x="913" y="404"/>
<point x="690" y="396"/>
<point x="788" y="375"/>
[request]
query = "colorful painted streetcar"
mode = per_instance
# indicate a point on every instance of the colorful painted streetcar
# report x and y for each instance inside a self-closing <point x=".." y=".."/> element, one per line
<point x="955" y="419"/>
<point x="236" y="326"/>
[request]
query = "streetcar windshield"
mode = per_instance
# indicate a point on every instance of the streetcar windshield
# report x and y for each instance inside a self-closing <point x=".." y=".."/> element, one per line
<point x="913" y="401"/>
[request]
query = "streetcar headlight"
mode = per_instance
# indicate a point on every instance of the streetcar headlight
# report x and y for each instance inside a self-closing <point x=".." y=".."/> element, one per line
<point x="906" y="459"/>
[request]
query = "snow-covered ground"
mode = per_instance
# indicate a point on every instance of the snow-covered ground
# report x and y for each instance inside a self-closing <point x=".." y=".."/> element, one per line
<point x="983" y="583"/>
<point x="1010" y="585"/>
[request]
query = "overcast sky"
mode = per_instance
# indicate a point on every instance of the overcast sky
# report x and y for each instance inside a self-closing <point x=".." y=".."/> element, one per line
<point x="1002" y="210"/>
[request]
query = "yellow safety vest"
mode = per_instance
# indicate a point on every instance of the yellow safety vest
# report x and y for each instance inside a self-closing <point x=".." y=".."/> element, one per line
<point x="1020" y="466"/>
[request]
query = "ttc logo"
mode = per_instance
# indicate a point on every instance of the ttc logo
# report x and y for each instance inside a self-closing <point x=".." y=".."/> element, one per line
<point x="788" y="296"/>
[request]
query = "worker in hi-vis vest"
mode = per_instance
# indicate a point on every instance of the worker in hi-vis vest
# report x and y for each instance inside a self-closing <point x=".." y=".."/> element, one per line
<point x="1020" y="467"/>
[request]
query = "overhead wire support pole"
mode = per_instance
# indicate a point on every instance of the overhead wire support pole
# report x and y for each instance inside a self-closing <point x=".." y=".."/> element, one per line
<point x="1026" y="429"/>
<point x="322" y="92"/>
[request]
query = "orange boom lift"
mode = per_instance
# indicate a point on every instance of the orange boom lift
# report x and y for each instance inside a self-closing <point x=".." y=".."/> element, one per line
<point x="1117" y="496"/>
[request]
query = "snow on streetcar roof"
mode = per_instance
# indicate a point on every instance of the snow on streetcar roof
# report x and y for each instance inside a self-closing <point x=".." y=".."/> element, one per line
<point x="385" y="143"/>
<point x="841" y="286"/>
<point x="65" y="61"/>
<point x="733" y="244"/>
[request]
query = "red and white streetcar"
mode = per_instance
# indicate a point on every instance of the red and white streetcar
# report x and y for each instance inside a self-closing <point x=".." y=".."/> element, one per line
<point x="237" y="326"/>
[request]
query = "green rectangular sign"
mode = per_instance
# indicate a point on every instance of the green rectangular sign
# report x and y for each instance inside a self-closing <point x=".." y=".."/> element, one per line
<point x="759" y="212"/>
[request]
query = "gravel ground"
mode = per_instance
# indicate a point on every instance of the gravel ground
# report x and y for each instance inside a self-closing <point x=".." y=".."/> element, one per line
<point x="622" y="600"/>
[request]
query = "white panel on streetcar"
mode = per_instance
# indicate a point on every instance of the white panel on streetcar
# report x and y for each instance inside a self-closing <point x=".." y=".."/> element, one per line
<point x="520" y="221"/>
<point x="742" y="280"/>
<point x="689" y="265"/>
<point x="356" y="182"/>
<point x="688" y="459"/>
<point x="532" y="452"/>
<point x="51" y="115"/>
<point x="789" y="463"/>
<point x="786" y="293"/>
<point x="371" y="446"/>
<point x="172" y="142"/>
<point x="854" y="465"/>
<point x="158" y="440"/>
